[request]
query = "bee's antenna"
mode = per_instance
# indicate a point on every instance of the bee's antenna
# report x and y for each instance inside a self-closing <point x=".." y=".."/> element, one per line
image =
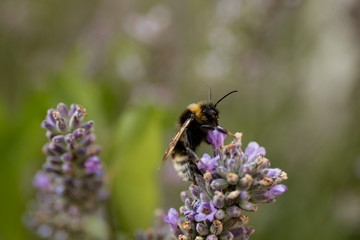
<point x="209" y="93"/>
<point x="225" y="97"/>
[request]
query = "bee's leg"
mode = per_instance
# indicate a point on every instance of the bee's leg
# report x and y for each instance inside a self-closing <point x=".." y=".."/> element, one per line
<point x="209" y="127"/>
<point x="223" y="130"/>
<point x="193" y="154"/>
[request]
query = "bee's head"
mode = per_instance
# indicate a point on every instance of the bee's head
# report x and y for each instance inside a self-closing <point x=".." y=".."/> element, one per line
<point x="209" y="114"/>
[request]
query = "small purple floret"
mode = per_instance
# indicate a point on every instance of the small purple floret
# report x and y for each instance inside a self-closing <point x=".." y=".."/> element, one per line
<point x="172" y="218"/>
<point x="273" y="172"/>
<point x="206" y="211"/>
<point x="253" y="150"/>
<point x="208" y="163"/>
<point x="41" y="180"/>
<point x="93" y="164"/>
<point x="190" y="215"/>
<point x="277" y="190"/>
<point x="216" y="138"/>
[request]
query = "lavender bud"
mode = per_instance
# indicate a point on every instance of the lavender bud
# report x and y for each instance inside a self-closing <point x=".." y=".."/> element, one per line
<point x="261" y="163"/>
<point x="219" y="199"/>
<point x="184" y="195"/>
<point x="263" y="183"/>
<point x="245" y="182"/>
<point x="226" y="236"/>
<point x="60" y="123"/>
<point x="72" y="110"/>
<point x="232" y="165"/>
<point x="88" y="140"/>
<point x="41" y="180"/>
<point x="53" y="160"/>
<point x="269" y="200"/>
<point x="239" y="231"/>
<point x="220" y="214"/>
<point x="47" y="125"/>
<point x="233" y="194"/>
<point x="248" y="206"/>
<point x="67" y="167"/>
<point x="49" y="134"/>
<point x="233" y="211"/>
<point x="58" y="139"/>
<point x="249" y="231"/>
<point x="69" y="138"/>
<point x="183" y="237"/>
<point x="207" y="176"/>
<point x="277" y="190"/>
<point x="50" y="117"/>
<point x="88" y="125"/>
<point x="204" y="197"/>
<point x="74" y="121"/>
<point x="211" y="237"/>
<point x="56" y="148"/>
<point x="195" y="191"/>
<point x="186" y="226"/>
<point x="81" y="152"/>
<point x="188" y="203"/>
<point x="244" y="196"/>
<point x="222" y="171"/>
<point x="232" y="178"/>
<point x="66" y="157"/>
<point x="62" y="109"/>
<point x="246" y="168"/>
<point x="79" y="133"/>
<point x="219" y="184"/>
<point x="202" y="229"/>
<point x="216" y="227"/>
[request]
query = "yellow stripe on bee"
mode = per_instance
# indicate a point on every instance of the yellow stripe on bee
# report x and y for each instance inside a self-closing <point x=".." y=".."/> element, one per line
<point x="195" y="108"/>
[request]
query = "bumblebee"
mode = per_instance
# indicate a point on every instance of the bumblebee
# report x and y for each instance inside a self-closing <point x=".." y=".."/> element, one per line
<point x="195" y="123"/>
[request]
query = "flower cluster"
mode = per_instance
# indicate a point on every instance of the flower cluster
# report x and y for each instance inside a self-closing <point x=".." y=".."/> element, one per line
<point x="232" y="182"/>
<point x="70" y="182"/>
<point x="159" y="231"/>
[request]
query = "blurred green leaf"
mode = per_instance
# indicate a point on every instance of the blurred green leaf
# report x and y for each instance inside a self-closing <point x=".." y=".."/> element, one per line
<point x="136" y="158"/>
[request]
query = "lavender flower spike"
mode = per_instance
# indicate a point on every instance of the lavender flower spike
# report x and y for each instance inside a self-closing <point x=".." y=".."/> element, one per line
<point x="70" y="182"/>
<point x="230" y="184"/>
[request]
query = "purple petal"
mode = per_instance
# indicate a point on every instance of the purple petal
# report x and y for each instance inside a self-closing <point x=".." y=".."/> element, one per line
<point x="62" y="109"/>
<point x="208" y="163"/>
<point x="172" y="218"/>
<point x="206" y="211"/>
<point x="92" y="165"/>
<point x="277" y="190"/>
<point x="253" y="149"/>
<point x="216" y="138"/>
<point x="41" y="180"/>
<point x="190" y="215"/>
<point x="273" y="172"/>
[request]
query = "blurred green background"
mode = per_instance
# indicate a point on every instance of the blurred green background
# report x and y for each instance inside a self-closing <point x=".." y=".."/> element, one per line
<point x="136" y="65"/>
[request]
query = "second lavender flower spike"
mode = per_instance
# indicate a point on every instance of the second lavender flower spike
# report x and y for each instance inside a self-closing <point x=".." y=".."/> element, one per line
<point x="70" y="184"/>
<point x="232" y="182"/>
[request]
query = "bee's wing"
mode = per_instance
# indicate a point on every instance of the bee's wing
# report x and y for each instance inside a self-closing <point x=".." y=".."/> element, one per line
<point x="175" y="139"/>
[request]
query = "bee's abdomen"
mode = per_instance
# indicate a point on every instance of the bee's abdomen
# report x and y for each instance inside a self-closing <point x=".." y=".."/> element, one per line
<point x="183" y="166"/>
